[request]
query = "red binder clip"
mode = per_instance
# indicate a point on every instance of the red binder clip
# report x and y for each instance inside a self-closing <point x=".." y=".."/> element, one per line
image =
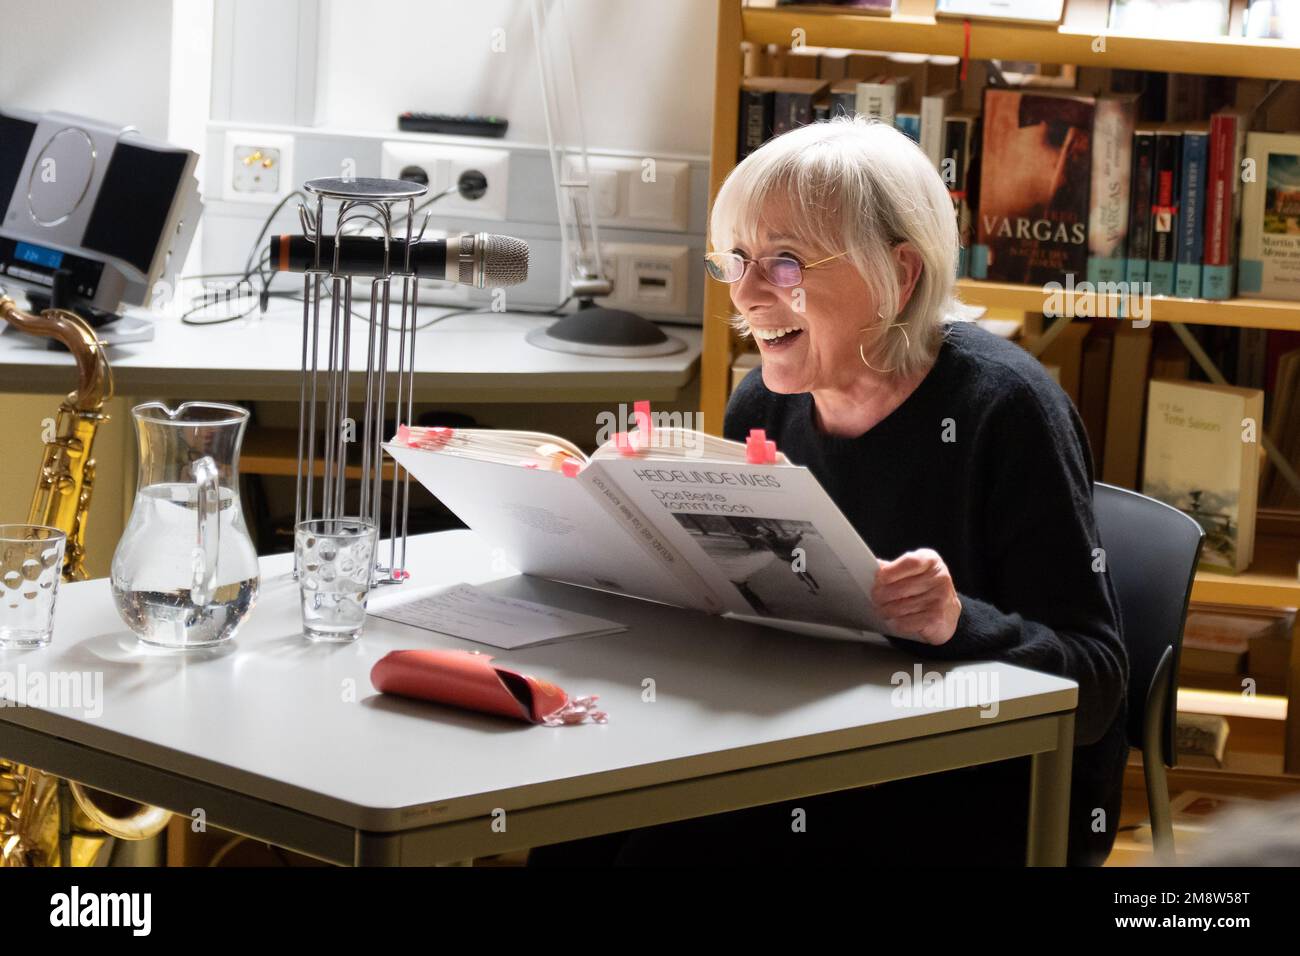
<point x="758" y="449"/>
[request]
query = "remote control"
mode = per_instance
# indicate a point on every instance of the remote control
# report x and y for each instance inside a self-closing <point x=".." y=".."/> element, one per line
<point x="468" y="125"/>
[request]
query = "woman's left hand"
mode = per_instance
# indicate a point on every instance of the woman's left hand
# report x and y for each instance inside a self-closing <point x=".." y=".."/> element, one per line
<point x="915" y="595"/>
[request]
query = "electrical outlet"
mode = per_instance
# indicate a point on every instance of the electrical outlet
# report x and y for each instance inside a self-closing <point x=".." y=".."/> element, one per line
<point x="648" y="277"/>
<point x="440" y="167"/>
<point x="259" y="167"/>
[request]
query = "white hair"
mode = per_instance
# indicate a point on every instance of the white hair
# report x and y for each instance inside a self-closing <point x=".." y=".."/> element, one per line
<point x="857" y="186"/>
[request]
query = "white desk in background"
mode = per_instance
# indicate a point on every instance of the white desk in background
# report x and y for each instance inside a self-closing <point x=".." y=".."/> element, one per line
<point x="287" y="742"/>
<point x="480" y="357"/>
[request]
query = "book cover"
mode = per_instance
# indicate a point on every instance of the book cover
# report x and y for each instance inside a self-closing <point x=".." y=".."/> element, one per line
<point x="1112" y="160"/>
<point x="1270" y="217"/>
<point x="1180" y="18"/>
<point x="1223" y="204"/>
<point x="844" y="98"/>
<point x="1198" y="460"/>
<point x="1139" y="215"/>
<point x="1191" y="214"/>
<point x="1034" y="186"/>
<point x="1164" y="211"/>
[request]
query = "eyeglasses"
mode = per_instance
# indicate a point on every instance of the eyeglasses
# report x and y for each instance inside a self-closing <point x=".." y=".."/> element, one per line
<point x="782" y="271"/>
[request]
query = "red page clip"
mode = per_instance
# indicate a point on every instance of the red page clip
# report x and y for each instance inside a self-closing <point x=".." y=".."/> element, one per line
<point x="758" y="449"/>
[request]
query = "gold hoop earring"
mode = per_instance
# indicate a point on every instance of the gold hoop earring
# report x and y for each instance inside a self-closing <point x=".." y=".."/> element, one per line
<point x="892" y="325"/>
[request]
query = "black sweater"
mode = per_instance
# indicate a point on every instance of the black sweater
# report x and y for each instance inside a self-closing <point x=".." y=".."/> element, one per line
<point x="987" y="463"/>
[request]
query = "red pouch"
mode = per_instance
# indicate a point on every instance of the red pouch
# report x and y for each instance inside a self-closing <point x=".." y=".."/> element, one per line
<point x="470" y="680"/>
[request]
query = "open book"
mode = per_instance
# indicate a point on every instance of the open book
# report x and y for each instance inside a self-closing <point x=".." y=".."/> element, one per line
<point x="671" y="515"/>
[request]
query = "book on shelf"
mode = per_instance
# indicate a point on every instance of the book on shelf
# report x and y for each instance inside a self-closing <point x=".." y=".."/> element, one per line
<point x="960" y="138"/>
<point x="1202" y="457"/>
<point x="1034" y="186"/>
<point x="909" y="124"/>
<point x="880" y="98"/>
<point x="1030" y="11"/>
<point x="1094" y="389"/>
<point x="1201" y="740"/>
<point x="935" y="108"/>
<point x="1273" y="20"/>
<point x="1176" y="18"/>
<point x="664" y="514"/>
<point x="1141" y="182"/>
<point x="1223" y="203"/>
<point x="1270" y="217"/>
<point x="1164" y="210"/>
<point x="1191" y="213"/>
<point x="1108" y="198"/>
<point x="772" y="105"/>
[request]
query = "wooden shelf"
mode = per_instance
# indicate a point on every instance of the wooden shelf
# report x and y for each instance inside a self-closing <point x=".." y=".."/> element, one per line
<point x="1269" y="582"/>
<point x="1071" y="42"/>
<point x="1242" y="313"/>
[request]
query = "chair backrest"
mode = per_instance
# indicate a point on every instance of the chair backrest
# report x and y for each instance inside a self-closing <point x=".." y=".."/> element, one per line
<point x="1151" y="555"/>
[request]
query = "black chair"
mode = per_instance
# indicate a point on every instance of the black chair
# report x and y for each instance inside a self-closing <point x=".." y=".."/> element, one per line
<point x="1151" y="555"/>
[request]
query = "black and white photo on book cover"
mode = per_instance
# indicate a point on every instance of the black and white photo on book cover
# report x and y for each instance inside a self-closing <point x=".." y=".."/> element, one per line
<point x="783" y="569"/>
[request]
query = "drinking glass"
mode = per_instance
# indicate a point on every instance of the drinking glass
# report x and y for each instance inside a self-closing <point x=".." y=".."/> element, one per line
<point x="31" y="560"/>
<point x="335" y="560"/>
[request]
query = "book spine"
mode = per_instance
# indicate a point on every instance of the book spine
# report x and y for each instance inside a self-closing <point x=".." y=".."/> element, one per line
<point x="844" y="104"/>
<point x="755" y="121"/>
<point x="933" y="127"/>
<point x="1164" y="212"/>
<point x="1139" y="219"/>
<point x="1191" y="216"/>
<point x="954" y="169"/>
<point x="791" y="110"/>
<point x="1222" y="205"/>
<point x="879" y="100"/>
<point x="909" y="124"/>
<point x="1112" y="147"/>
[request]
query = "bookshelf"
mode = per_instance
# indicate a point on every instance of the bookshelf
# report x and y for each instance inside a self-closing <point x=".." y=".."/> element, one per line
<point x="1272" y="580"/>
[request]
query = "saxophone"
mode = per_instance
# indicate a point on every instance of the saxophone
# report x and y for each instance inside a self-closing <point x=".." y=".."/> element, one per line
<point x="44" y="819"/>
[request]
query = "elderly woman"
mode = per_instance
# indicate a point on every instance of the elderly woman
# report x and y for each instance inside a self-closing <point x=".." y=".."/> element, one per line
<point x="954" y="455"/>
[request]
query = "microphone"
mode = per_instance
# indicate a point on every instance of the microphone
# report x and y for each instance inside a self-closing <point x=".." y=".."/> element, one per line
<point x="478" y="259"/>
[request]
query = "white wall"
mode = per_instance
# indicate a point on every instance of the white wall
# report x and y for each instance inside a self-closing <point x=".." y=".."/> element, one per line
<point x="108" y="60"/>
<point x="645" y="67"/>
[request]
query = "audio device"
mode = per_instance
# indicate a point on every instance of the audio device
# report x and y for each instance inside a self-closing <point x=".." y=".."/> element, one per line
<point x="92" y="216"/>
<point x="479" y="259"/>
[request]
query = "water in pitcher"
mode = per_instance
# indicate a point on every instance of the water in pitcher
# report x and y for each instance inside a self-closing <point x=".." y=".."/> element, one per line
<point x="153" y="570"/>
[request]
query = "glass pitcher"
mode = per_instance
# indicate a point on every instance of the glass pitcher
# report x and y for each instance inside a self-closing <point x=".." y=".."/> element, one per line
<point x="185" y="571"/>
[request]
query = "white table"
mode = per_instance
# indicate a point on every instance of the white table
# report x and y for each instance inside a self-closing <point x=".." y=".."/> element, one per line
<point x="465" y="358"/>
<point x="287" y="742"/>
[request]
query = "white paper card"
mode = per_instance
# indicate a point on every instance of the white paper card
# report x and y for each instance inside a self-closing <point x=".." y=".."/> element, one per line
<point x="469" y="612"/>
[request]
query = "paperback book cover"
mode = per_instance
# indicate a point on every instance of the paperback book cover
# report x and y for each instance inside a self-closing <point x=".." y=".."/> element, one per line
<point x="1139" y="216"/>
<point x="1191" y="214"/>
<point x="1223" y="204"/>
<point x="1270" y="217"/>
<point x="935" y="108"/>
<point x="882" y="98"/>
<point x="1164" y="211"/>
<point x="1112" y="160"/>
<point x="1200" y="461"/>
<point x="1034" y="186"/>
